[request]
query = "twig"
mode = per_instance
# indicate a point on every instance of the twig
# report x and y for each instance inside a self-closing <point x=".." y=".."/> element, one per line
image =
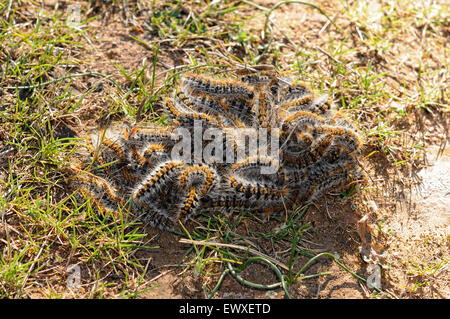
<point x="251" y="250"/>
<point x="234" y="273"/>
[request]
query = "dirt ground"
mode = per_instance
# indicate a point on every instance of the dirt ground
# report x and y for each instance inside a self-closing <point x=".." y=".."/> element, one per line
<point x="404" y="229"/>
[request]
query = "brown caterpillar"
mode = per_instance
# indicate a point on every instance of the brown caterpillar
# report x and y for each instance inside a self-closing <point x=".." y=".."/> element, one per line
<point x="315" y="150"/>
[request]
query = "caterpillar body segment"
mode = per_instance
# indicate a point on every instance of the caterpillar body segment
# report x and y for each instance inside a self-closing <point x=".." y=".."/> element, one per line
<point x="154" y="152"/>
<point x="101" y="190"/>
<point x="257" y="80"/>
<point x="295" y="91"/>
<point x="200" y="178"/>
<point x="214" y="108"/>
<point x="195" y="84"/>
<point x="255" y="190"/>
<point x="262" y="108"/>
<point x="155" y="217"/>
<point x="182" y="118"/>
<point x="342" y="136"/>
<point x="116" y="148"/>
<point x="157" y="178"/>
<point x="322" y="105"/>
<point x="301" y="121"/>
<point x="310" y="154"/>
<point x="260" y="169"/>
<point x="242" y="109"/>
<point x="263" y="77"/>
<point x="335" y="179"/>
<point x="189" y="205"/>
<point x="303" y="103"/>
<point x="141" y="136"/>
<point x="201" y="102"/>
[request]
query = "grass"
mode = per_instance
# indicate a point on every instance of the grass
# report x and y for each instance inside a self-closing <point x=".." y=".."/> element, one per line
<point x="383" y="65"/>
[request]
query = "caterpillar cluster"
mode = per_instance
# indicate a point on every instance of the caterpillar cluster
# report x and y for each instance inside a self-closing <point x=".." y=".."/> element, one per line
<point x="316" y="151"/>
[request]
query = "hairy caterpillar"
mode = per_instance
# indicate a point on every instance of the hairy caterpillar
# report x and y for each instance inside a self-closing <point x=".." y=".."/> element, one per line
<point x="315" y="150"/>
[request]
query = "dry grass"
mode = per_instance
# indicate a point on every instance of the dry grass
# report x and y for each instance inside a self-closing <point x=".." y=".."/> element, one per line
<point x="384" y="62"/>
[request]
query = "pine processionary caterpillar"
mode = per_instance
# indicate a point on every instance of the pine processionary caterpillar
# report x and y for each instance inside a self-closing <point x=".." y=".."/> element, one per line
<point x="189" y="205"/>
<point x="101" y="190"/>
<point x="187" y="119"/>
<point x="153" y="149"/>
<point x="157" y="178"/>
<point x="316" y="151"/>
<point x="115" y="147"/>
<point x="198" y="175"/>
<point x="195" y="84"/>
<point x="311" y="154"/>
<point x="255" y="189"/>
<point x="342" y="136"/>
<point x="301" y="119"/>
<point x="295" y="91"/>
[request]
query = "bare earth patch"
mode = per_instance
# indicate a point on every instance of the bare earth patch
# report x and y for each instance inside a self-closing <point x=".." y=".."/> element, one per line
<point x="394" y="65"/>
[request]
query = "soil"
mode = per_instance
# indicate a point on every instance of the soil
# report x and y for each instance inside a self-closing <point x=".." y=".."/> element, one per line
<point x="406" y="230"/>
